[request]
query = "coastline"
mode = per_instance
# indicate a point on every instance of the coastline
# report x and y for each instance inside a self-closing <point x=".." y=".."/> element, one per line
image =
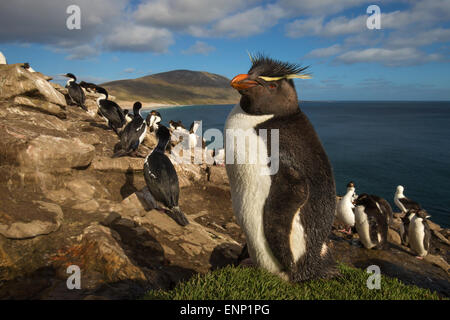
<point x="147" y="106"/>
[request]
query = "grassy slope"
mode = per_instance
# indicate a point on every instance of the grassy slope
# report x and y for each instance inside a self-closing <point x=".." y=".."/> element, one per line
<point x="255" y="284"/>
<point x="175" y="87"/>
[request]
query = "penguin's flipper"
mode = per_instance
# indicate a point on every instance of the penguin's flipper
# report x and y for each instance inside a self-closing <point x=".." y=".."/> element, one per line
<point x="280" y="211"/>
<point x="427" y="236"/>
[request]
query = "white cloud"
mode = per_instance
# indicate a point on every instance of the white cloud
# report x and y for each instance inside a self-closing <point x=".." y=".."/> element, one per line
<point x="325" y="52"/>
<point x="249" y="22"/>
<point x="388" y="57"/>
<point x="139" y="38"/>
<point x="184" y="13"/>
<point x="319" y="8"/>
<point x="129" y="70"/>
<point x="199" y="47"/>
<point x="315" y="26"/>
<point x="422" y="38"/>
<point x="44" y="21"/>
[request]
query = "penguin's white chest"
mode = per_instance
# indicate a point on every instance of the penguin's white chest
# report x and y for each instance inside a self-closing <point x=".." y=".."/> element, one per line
<point x="363" y="227"/>
<point x="345" y="210"/>
<point x="416" y="234"/>
<point x="249" y="188"/>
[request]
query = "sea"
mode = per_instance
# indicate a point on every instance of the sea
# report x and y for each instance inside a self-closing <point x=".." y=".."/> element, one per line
<point x="377" y="144"/>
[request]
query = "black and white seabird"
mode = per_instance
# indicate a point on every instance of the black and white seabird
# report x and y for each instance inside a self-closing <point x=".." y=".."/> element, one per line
<point x="76" y="93"/>
<point x="162" y="179"/>
<point x="373" y="215"/>
<point x="286" y="214"/>
<point x="403" y="203"/>
<point x="133" y="134"/>
<point x="27" y="66"/>
<point x="419" y="233"/>
<point x="110" y="111"/>
<point x="179" y="132"/>
<point x="128" y="116"/>
<point x="153" y="119"/>
<point x="88" y="86"/>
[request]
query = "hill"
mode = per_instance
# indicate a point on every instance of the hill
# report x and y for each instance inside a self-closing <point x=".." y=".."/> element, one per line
<point x="175" y="87"/>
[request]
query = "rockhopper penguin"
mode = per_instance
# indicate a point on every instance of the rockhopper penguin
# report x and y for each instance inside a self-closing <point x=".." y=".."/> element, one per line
<point x="344" y="210"/>
<point x="372" y="218"/>
<point x="286" y="215"/>
<point x="419" y="233"/>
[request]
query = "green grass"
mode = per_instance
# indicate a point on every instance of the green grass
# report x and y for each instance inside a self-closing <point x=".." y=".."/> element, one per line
<point x="256" y="284"/>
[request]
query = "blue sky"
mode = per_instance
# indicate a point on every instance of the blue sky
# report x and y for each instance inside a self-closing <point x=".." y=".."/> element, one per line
<point x="407" y="59"/>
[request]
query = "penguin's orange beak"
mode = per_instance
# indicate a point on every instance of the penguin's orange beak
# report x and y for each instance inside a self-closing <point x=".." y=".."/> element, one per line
<point x="242" y="82"/>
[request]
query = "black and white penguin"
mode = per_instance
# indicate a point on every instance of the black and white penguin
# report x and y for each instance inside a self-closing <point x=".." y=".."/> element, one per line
<point x="153" y="119"/>
<point x="372" y="218"/>
<point x="179" y="132"/>
<point x="286" y="215"/>
<point x="419" y="234"/>
<point x="344" y="210"/>
<point x="404" y="227"/>
<point x="133" y="134"/>
<point x="403" y="203"/>
<point x="88" y="86"/>
<point x="110" y="111"/>
<point x="350" y="185"/>
<point x="219" y="157"/>
<point x="162" y="179"/>
<point x="76" y="93"/>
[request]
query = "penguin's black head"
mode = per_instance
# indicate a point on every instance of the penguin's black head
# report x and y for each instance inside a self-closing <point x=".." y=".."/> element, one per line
<point x="362" y="200"/>
<point x="351" y="184"/>
<point x="268" y="87"/>
<point x="421" y="213"/>
<point x="26" y="65"/>
<point x="155" y="113"/>
<point x="125" y="111"/>
<point x="71" y="75"/>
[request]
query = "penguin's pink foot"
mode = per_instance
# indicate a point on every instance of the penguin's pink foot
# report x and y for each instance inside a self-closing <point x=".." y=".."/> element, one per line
<point x="345" y="231"/>
<point x="419" y="257"/>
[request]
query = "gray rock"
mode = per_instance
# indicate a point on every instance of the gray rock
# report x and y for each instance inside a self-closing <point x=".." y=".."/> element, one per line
<point x="16" y="81"/>
<point x="40" y="219"/>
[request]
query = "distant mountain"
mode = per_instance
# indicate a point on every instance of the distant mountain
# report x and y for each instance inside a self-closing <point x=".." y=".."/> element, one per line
<point x="175" y="87"/>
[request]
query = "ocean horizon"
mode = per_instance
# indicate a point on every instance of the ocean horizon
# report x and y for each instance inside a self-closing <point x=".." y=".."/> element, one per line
<point x="377" y="144"/>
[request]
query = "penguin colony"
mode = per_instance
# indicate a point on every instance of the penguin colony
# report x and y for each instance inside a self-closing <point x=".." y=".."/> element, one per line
<point x="372" y="215"/>
<point x="286" y="216"/>
<point x="131" y="129"/>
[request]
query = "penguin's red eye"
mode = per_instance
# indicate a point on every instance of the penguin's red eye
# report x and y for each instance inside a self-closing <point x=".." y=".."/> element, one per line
<point x="272" y="86"/>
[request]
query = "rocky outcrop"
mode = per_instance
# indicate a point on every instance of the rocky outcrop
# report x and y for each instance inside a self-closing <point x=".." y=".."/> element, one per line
<point x="30" y="89"/>
<point x="30" y="220"/>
